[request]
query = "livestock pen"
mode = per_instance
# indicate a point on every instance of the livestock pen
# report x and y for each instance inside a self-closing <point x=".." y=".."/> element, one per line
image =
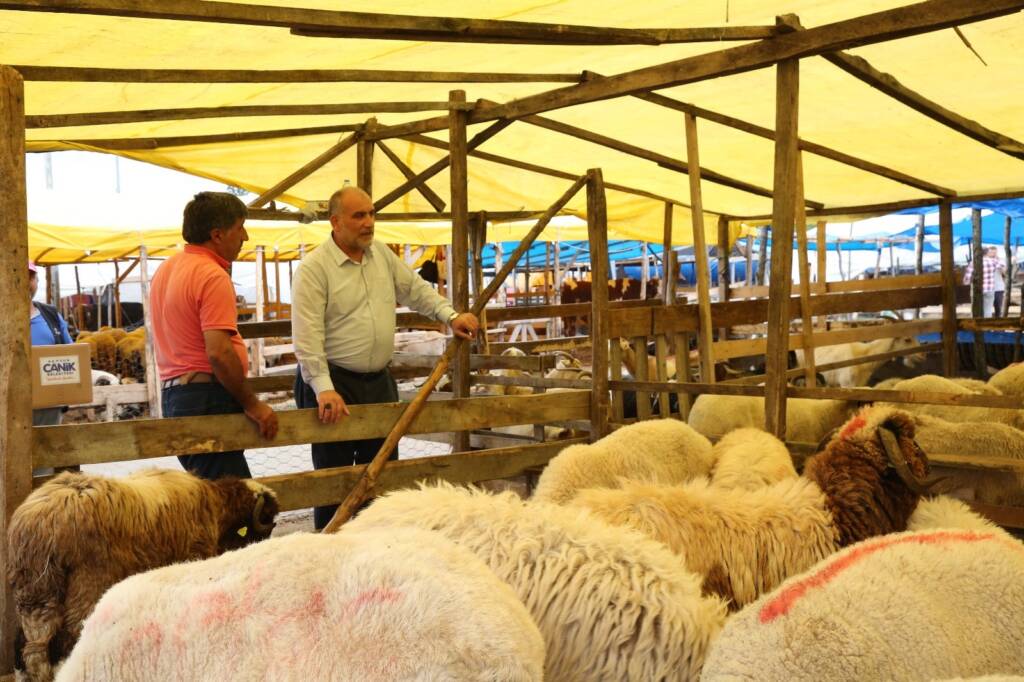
<point x="290" y="175"/>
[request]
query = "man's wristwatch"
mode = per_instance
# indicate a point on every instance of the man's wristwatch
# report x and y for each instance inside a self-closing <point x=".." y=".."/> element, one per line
<point x="451" y="318"/>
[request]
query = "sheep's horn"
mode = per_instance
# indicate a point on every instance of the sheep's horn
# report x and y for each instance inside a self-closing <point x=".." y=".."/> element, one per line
<point x="257" y="511"/>
<point x="898" y="460"/>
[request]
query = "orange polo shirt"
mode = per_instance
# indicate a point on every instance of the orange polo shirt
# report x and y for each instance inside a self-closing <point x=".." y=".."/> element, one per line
<point x="191" y="293"/>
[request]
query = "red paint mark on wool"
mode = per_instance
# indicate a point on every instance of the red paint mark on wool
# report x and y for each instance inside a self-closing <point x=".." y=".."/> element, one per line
<point x="217" y="608"/>
<point x="315" y="605"/>
<point x="781" y="605"/>
<point x="852" y="426"/>
<point x="374" y="597"/>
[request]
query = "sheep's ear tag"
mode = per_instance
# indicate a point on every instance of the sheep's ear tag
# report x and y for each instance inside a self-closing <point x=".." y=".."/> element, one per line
<point x="243" y="531"/>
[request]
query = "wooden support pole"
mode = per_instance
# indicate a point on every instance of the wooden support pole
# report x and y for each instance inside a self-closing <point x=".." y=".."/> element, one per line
<point x="259" y="362"/>
<point x="1008" y="272"/>
<point x="892" y="259"/>
<point x="667" y="261"/>
<point x="277" y="284"/>
<point x="822" y="253"/>
<point x="839" y="257"/>
<point x="458" y="261"/>
<point x="370" y="473"/>
<point x="364" y="160"/>
<point x="748" y="274"/>
<point x="919" y="246"/>
<point x="807" y="321"/>
<point x="558" y="286"/>
<point x="949" y="284"/>
<point x="15" y="410"/>
<point x="153" y="391"/>
<point x="597" y="232"/>
<point x="477" y="239"/>
<point x="762" y="256"/>
<point x="724" y="274"/>
<point x="784" y="214"/>
<point x="645" y="270"/>
<point x="978" y="292"/>
<point x="301" y="174"/>
<point x="79" y="311"/>
<point x="700" y="252"/>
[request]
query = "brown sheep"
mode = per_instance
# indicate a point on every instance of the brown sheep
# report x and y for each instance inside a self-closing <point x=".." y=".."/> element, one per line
<point x="79" y="534"/>
<point x="131" y="356"/>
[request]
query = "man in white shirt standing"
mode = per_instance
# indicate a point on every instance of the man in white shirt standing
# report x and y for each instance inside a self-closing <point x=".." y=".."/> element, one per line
<point x="343" y="325"/>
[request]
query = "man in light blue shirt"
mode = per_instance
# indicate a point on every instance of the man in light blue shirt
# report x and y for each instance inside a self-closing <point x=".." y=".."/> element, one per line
<point x="343" y="325"/>
<point x="47" y="328"/>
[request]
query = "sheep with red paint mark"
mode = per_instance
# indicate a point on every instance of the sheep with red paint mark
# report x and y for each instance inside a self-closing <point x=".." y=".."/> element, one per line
<point x="907" y="606"/>
<point x="746" y="542"/>
<point x="405" y="605"/>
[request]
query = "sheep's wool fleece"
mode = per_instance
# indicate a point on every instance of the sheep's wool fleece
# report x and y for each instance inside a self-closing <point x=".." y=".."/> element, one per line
<point x="947" y="512"/>
<point x="611" y="604"/>
<point x="1009" y="380"/>
<point x="931" y="383"/>
<point x="402" y="605"/>
<point x="750" y="459"/>
<point x="907" y="606"/>
<point x="807" y="420"/>
<point x="657" y="450"/>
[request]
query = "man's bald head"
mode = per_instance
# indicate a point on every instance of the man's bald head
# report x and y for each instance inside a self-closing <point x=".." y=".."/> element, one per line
<point x="338" y="198"/>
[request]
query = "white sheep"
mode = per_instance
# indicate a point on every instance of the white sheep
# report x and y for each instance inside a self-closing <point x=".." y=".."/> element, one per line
<point x="405" y="605"/>
<point x="745" y="542"/>
<point x="907" y="606"/>
<point x="749" y="459"/>
<point x="657" y="450"/>
<point x="857" y="375"/>
<point x="942" y="511"/>
<point x="611" y="604"/>
<point x="933" y="383"/>
<point x="1009" y="380"/>
<point x="807" y="420"/>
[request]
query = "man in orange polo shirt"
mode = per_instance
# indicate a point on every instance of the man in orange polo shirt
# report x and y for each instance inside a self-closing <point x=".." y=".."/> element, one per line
<point x="202" y="359"/>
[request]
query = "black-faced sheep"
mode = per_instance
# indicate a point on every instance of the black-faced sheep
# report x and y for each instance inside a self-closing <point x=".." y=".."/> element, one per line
<point x="611" y="604"/>
<point x="407" y="604"/>
<point x="79" y="534"/>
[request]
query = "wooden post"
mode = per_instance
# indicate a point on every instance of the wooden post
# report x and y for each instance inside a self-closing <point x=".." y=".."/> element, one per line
<point x="700" y="252"/>
<point x="257" y="361"/>
<point x="458" y="264"/>
<point x="762" y="255"/>
<point x="822" y="254"/>
<point x="919" y="246"/>
<point x="558" y="286"/>
<point x="645" y="271"/>
<point x="1008" y="273"/>
<point x="839" y="257"/>
<point x="804" y="265"/>
<point x="878" y="259"/>
<point x="79" y="312"/>
<point x="977" y="292"/>
<point x="364" y="159"/>
<point x="277" y="284"/>
<point x="597" y="231"/>
<point x="667" y="264"/>
<point x="748" y="274"/>
<point x="502" y="289"/>
<point x="15" y="433"/>
<point x="949" y="284"/>
<point x="117" y="294"/>
<point x="892" y="259"/>
<point x="478" y="237"/>
<point x="153" y="392"/>
<point x="783" y="215"/>
<point x="724" y="276"/>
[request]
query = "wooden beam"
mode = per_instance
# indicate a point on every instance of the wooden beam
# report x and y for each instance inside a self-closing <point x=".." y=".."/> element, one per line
<point x="333" y="152"/>
<point x="668" y="280"/>
<point x="949" y="354"/>
<point x="459" y="263"/>
<point x="805" y="145"/>
<point x="787" y="97"/>
<point x="15" y="408"/>
<point x="184" y="114"/>
<point x="364" y="160"/>
<point x="435" y="168"/>
<point x="597" y="232"/>
<point x="113" y="144"/>
<point x="152" y="374"/>
<point x="424" y="189"/>
<point x="804" y="266"/>
<point x="922" y="17"/>
<point x="977" y="292"/>
<point x="861" y="69"/>
<point x="87" y="74"/>
<point x="700" y="253"/>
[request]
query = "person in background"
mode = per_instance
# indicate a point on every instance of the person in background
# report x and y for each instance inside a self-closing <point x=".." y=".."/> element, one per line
<point x="47" y="328"/>
<point x="343" y="326"/>
<point x="202" y="360"/>
<point x="998" y="285"/>
<point x="992" y="268"/>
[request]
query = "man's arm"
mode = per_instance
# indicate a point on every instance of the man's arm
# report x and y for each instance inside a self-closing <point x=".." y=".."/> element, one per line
<point x="414" y="291"/>
<point x="309" y="305"/>
<point x="228" y="369"/>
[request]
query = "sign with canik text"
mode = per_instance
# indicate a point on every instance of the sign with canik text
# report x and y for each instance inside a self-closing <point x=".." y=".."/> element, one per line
<point x="61" y="375"/>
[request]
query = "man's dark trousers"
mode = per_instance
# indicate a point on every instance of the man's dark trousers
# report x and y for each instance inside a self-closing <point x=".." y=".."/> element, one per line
<point x="355" y="388"/>
<point x="192" y="400"/>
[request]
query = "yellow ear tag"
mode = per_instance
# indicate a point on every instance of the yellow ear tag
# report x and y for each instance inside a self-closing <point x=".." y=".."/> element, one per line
<point x="243" y="531"/>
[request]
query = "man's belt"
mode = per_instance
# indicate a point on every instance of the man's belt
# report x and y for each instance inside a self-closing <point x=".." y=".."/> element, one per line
<point x="190" y="378"/>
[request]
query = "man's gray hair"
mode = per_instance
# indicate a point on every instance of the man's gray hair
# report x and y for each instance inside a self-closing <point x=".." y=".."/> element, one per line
<point x="334" y="205"/>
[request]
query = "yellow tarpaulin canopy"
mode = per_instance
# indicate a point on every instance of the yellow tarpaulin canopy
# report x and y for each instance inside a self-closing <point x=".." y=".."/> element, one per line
<point x="836" y="109"/>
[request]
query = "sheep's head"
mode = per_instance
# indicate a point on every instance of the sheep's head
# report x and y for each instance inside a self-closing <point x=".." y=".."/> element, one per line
<point x="872" y="473"/>
<point x="250" y="509"/>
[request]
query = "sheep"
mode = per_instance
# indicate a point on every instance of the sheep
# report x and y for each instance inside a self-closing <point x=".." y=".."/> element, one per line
<point x="745" y="542"/>
<point x="353" y="606"/>
<point x="657" y="450"/>
<point x="631" y="362"/>
<point x="749" y="459"/>
<point x="991" y="486"/>
<point x="1009" y="380"/>
<point x="956" y="413"/>
<point x="78" y="534"/>
<point x="856" y="375"/>
<point x="908" y="606"/>
<point x="611" y="604"/>
<point x="510" y="390"/>
<point x="807" y="420"/>
<point x="947" y="512"/>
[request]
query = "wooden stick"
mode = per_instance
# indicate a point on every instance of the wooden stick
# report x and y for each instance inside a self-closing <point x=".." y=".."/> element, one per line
<point x="459" y="254"/>
<point x="117" y="293"/>
<point x="700" y="252"/>
<point x="130" y="143"/>
<point x="301" y="174"/>
<point x="615" y="374"/>
<point x="478" y="238"/>
<point x="949" y="283"/>
<point x="153" y="387"/>
<point x="424" y="189"/>
<point x="597" y="232"/>
<point x="371" y="472"/>
<point x="364" y="160"/>
<point x="724" y="274"/>
<point x="977" y="292"/>
<point x="668" y="280"/>
<point x="807" y="321"/>
<point x="1008" y="274"/>
<point x="776" y="357"/>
